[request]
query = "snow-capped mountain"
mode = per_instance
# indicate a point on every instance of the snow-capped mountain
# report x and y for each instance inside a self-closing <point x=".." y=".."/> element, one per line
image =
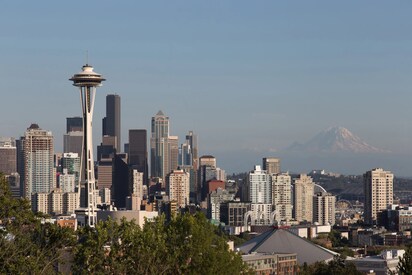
<point x="336" y="139"/>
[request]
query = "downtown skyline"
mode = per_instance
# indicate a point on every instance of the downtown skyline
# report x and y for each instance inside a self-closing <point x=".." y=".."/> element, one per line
<point x="249" y="79"/>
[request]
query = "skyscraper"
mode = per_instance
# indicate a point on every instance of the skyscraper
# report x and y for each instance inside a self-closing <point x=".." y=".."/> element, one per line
<point x="282" y="196"/>
<point x="138" y="151"/>
<point x="174" y="152"/>
<point x="303" y="198"/>
<point x="39" y="176"/>
<point x="378" y="190"/>
<point x="121" y="182"/>
<point x="159" y="149"/>
<point x="73" y="142"/>
<point x="271" y="165"/>
<point x="111" y="123"/>
<point x="74" y="124"/>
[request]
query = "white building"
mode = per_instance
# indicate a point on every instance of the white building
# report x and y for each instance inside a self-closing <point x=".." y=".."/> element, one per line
<point x="260" y="187"/>
<point x="137" y="183"/>
<point x="324" y="208"/>
<point x="67" y="182"/>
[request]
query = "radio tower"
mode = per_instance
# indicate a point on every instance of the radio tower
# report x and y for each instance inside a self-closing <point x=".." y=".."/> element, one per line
<point x="87" y="81"/>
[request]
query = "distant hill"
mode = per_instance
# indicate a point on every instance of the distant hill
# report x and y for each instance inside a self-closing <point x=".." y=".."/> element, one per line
<point x="335" y="139"/>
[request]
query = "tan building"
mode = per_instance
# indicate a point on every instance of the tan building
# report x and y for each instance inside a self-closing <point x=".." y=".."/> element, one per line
<point x="303" y="198"/>
<point x="282" y="196"/>
<point x="207" y="161"/>
<point x="271" y="165"/>
<point x="378" y="190"/>
<point x="39" y="176"/>
<point x="70" y="202"/>
<point x="8" y="156"/>
<point x="324" y="208"/>
<point x="178" y="186"/>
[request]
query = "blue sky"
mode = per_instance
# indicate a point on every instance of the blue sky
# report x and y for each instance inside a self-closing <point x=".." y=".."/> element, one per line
<point x="250" y="77"/>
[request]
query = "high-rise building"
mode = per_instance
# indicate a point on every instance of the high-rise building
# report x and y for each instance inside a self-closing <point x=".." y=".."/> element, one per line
<point x="282" y="196"/>
<point x="260" y="187"/>
<point x="215" y="199"/>
<point x="178" y="186"/>
<point x="189" y="151"/>
<point x="104" y="173"/>
<point x="271" y="165"/>
<point x="207" y="161"/>
<point x="39" y="176"/>
<point x="174" y="152"/>
<point x="120" y="184"/>
<point x="324" y="208"/>
<point x="71" y="162"/>
<point x="8" y="156"/>
<point x="73" y="142"/>
<point x="378" y="190"/>
<point x="138" y="151"/>
<point x="136" y="179"/>
<point x="74" y="124"/>
<point x="303" y="198"/>
<point x="111" y="123"/>
<point x="159" y="149"/>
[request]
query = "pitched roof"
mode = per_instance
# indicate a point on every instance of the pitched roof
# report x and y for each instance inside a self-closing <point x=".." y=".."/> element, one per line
<point x="284" y="241"/>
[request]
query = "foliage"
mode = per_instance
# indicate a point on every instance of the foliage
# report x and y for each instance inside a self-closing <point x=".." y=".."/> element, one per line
<point x="27" y="245"/>
<point x="337" y="267"/>
<point x="336" y="238"/>
<point x="405" y="263"/>
<point x="188" y="244"/>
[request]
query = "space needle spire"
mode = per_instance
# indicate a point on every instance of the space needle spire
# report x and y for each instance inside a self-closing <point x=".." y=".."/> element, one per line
<point x="87" y="81"/>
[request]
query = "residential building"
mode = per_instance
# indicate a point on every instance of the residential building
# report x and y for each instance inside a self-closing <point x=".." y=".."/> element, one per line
<point x="8" y="156"/>
<point x="178" y="186"/>
<point x="303" y="198"/>
<point x="324" y="208"/>
<point x="378" y="190"/>
<point x="216" y="198"/>
<point x="38" y="149"/>
<point x="282" y="196"/>
<point x="271" y="165"/>
<point x="260" y="187"/>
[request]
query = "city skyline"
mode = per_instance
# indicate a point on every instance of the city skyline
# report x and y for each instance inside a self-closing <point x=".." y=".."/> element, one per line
<point x="249" y="79"/>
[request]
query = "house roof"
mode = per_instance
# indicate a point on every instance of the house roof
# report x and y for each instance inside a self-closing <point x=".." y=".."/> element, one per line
<point x="284" y="241"/>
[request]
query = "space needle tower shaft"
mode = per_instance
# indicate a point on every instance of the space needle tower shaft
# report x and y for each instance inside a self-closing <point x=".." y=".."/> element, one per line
<point x="87" y="81"/>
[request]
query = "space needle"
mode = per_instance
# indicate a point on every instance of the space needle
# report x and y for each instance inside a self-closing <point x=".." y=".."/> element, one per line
<point x="87" y="81"/>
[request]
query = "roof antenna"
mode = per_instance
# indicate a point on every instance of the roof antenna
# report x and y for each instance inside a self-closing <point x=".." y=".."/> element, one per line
<point x="87" y="57"/>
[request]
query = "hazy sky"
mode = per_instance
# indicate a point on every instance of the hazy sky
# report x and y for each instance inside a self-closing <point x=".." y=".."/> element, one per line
<point x="247" y="76"/>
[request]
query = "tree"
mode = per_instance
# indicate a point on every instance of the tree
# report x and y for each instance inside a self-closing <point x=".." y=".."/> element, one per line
<point x="337" y="266"/>
<point x="188" y="244"/>
<point x="27" y="245"/>
<point x="405" y="262"/>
